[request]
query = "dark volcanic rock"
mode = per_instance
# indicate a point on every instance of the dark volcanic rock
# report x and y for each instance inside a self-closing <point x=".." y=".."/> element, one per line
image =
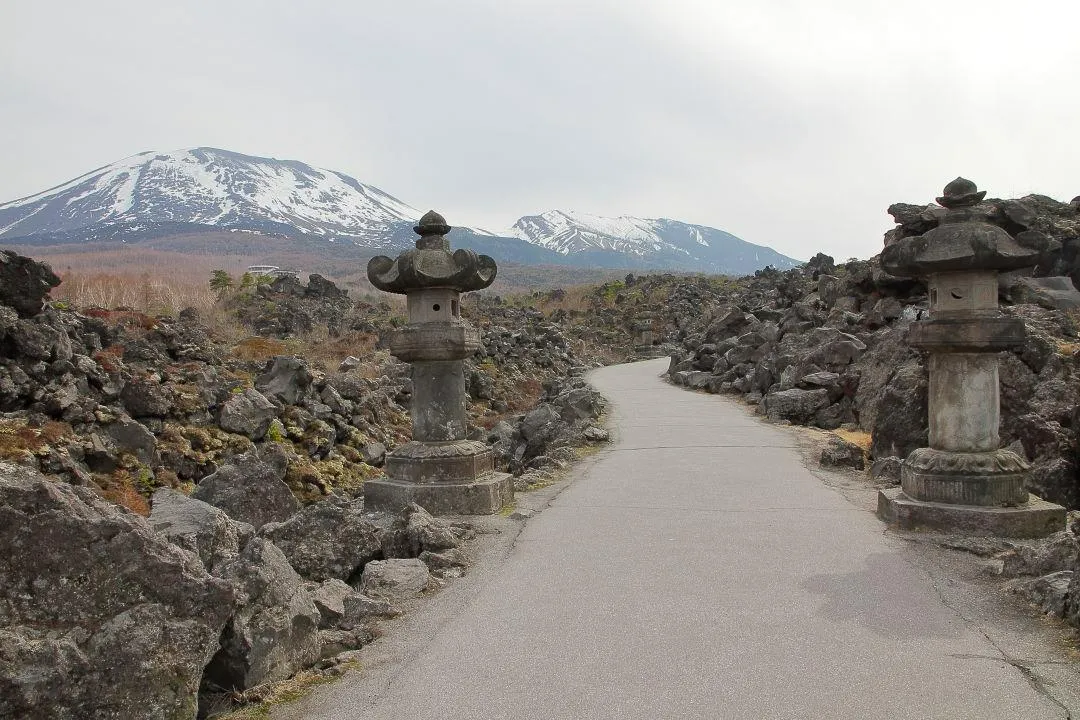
<point x="250" y="490"/>
<point x="900" y="418"/>
<point x="395" y="579"/>
<point x="1053" y="293"/>
<point x="320" y="287"/>
<point x="275" y="629"/>
<point x="329" y="539"/>
<point x="344" y="608"/>
<point x="841" y="453"/>
<point x="287" y="378"/>
<point x="248" y="413"/>
<point x="540" y="427"/>
<point x="145" y="397"/>
<point x="100" y="617"/>
<point x="24" y="283"/>
<point x="795" y="405"/>
<point x="198" y="527"/>
<point x="416" y="531"/>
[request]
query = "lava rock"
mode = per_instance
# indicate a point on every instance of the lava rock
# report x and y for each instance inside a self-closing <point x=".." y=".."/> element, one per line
<point x="274" y="631"/>
<point x="887" y="469"/>
<point x="145" y="397"/>
<point x="343" y="608"/>
<point x="328" y="539"/>
<point x="101" y="615"/>
<point x="250" y="490"/>
<point x="24" y="283"/>
<point x="285" y="377"/>
<point x="415" y="531"/>
<point x="1050" y="593"/>
<point x="841" y="453"/>
<point x="374" y="454"/>
<point x="795" y="405"/>
<point x="248" y="413"/>
<point x="198" y="527"/>
<point x="900" y="424"/>
<point x="395" y="579"/>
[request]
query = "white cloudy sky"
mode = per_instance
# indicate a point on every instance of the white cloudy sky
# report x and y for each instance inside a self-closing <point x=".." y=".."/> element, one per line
<point x="791" y="123"/>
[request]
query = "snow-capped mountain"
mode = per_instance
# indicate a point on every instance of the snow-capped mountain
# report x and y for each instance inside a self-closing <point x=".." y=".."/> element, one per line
<point x="160" y="196"/>
<point x="153" y="191"/>
<point x="658" y="243"/>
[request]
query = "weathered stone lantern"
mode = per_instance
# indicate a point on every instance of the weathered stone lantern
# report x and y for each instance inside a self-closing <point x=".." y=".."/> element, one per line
<point x="645" y="334"/>
<point x="439" y="469"/>
<point x="964" y="482"/>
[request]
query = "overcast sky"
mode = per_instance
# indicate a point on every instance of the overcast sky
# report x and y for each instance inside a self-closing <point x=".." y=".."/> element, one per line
<point x="791" y="123"/>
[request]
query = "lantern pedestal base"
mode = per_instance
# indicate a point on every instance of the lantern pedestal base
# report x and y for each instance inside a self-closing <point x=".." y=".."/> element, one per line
<point x="486" y="495"/>
<point x="1032" y="519"/>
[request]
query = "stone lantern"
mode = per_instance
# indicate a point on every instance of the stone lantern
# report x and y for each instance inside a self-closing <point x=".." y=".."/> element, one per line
<point x="964" y="482"/>
<point x="439" y="469"/>
<point x="645" y="334"/>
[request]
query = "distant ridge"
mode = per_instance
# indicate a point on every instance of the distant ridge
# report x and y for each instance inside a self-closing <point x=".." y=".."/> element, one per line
<point x="660" y="243"/>
<point x="156" y="195"/>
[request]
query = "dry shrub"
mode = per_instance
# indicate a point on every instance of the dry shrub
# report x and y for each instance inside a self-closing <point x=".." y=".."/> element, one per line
<point x="578" y="298"/>
<point x="257" y="348"/>
<point x="855" y="437"/>
<point x="142" y="292"/>
<point x="109" y="358"/>
<point x="526" y="396"/>
<point x="18" y="439"/>
<point x="130" y="319"/>
<point x="330" y="351"/>
<point x="119" y="488"/>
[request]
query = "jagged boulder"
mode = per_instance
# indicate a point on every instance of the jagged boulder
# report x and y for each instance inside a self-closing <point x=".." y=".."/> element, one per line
<point x="1057" y="552"/>
<point x="795" y="405"/>
<point x="41" y="338"/>
<point x="342" y="607"/>
<point x="415" y="531"/>
<point x="395" y="579"/>
<point x="285" y="377"/>
<point x="900" y="416"/>
<point x="540" y="427"/>
<point x="328" y="539"/>
<point x="841" y="453"/>
<point x="274" y="631"/>
<point x="24" y="283"/>
<point x="579" y="403"/>
<point x="1050" y="593"/>
<point x="250" y="490"/>
<point x="374" y="454"/>
<point x="198" y="527"/>
<point x="1052" y="293"/>
<point x="122" y="436"/>
<point x="145" y="397"/>
<point x="248" y="413"/>
<point x="100" y="616"/>
<point x="320" y="287"/>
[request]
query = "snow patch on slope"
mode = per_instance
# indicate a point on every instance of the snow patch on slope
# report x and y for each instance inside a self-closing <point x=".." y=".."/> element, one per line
<point x="207" y="186"/>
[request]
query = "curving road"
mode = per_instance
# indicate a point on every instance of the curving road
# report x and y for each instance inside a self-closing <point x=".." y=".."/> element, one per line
<point x="696" y="570"/>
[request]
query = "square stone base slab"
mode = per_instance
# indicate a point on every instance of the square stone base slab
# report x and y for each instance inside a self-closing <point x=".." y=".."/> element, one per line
<point x="486" y="495"/>
<point x="1036" y="518"/>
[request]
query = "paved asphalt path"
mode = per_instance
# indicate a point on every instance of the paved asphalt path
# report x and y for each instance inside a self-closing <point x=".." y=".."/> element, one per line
<point x="698" y="570"/>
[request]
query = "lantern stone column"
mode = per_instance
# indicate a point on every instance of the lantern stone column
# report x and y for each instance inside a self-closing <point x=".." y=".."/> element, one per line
<point x="964" y="482"/>
<point x="439" y="469"/>
<point x="645" y="335"/>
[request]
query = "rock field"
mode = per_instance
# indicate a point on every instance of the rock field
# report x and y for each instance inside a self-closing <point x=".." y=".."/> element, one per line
<point x="181" y="500"/>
